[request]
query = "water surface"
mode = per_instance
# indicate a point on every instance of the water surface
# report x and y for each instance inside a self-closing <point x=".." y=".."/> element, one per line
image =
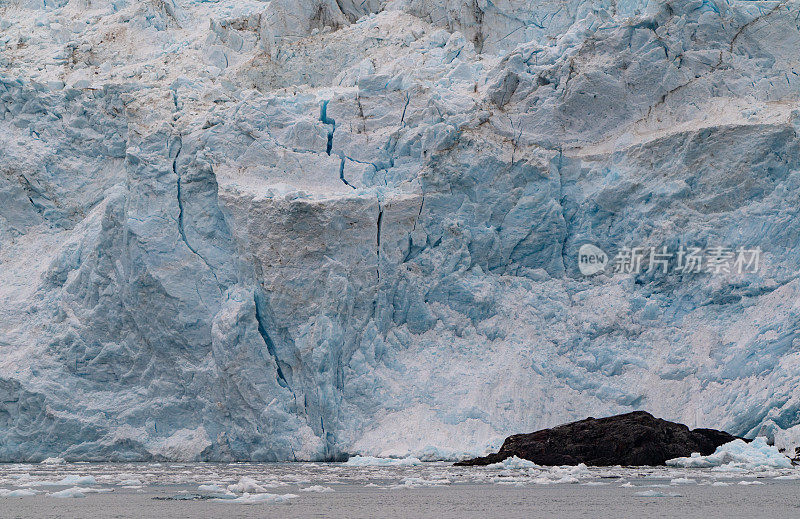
<point x="179" y="490"/>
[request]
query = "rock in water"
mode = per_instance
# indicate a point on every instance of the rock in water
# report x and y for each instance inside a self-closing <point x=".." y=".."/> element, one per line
<point x="636" y="438"/>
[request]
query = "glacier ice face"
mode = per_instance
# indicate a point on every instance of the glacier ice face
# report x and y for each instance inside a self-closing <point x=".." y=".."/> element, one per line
<point x="300" y="228"/>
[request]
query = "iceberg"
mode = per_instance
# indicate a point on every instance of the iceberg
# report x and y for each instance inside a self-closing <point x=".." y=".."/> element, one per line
<point x="738" y="455"/>
<point x="514" y="462"/>
<point x="69" y="493"/>
<point x="246" y="485"/>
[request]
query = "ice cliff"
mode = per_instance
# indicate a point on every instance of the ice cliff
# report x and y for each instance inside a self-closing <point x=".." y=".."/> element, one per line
<point x="294" y="229"/>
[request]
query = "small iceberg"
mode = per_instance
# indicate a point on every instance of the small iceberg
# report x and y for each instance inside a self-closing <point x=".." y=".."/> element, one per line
<point x="22" y="492"/>
<point x="737" y="455"/>
<point x="514" y="462"/>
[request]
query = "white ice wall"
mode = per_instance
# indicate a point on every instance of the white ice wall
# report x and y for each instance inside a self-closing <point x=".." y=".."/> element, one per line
<point x="291" y="230"/>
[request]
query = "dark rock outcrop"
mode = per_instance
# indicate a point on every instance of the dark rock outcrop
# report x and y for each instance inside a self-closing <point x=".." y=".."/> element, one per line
<point x="636" y="438"/>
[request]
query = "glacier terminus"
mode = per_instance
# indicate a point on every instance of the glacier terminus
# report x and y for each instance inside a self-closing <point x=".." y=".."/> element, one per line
<point x="305" y="229"/>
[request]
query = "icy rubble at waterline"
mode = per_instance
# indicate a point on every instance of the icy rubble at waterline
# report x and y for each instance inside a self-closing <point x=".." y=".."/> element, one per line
<point x="248" y="483"/>
<point x="367" y="461"/>
<point x="738" y="455"/>
<point x="289" y="230"/>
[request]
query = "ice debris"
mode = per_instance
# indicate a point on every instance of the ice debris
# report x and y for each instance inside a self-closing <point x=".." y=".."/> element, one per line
<point x="738" y="455"/>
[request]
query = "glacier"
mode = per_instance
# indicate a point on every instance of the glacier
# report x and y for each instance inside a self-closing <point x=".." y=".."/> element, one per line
<point x="302" y="229"/>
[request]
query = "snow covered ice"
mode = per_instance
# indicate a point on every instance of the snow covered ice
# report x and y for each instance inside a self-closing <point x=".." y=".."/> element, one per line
<point x="298" y="229"/>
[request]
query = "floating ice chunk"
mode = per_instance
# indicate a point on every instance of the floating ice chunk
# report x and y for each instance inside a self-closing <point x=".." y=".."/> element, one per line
<point x="317" y="488"/>
<point x="565" y="480"/>
<point x="130" y="483"/>
<point x="53" y="461"/>
<point x="540" y="475"/>
<point x="75" y="479"/>
<point x="89" y="490"/>
<point x="69" y="480"/>
<point x="737" y="455"/>
<point x="74" y="492"/>
<point x="517" y="481"/>
<point x="514" y="462"/>
<point x="420" y="482"/>
<point x="252" y="499"/>
<point x="21" y="492"/>
<point x="696" y="460"/>
<point x="247" y="485"/>
<point x="788" y="476"/>
<point x="366" y="461"/>
<point x="682" y="481"/>
<point x="751" y="483"/>
<point x="573" y="470"/>
<point x="215" y="489"/>
<point x="656" y="493"/>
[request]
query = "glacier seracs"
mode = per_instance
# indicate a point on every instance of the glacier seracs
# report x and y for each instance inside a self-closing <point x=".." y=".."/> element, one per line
<point x="294" y="229"/>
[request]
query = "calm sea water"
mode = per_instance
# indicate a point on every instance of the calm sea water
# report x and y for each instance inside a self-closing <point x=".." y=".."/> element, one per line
<point x="174" y="490"/>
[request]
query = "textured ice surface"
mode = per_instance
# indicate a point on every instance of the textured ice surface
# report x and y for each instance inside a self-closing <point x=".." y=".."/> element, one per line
<point x="292" y="229"/>
<point x="738" y="455"/>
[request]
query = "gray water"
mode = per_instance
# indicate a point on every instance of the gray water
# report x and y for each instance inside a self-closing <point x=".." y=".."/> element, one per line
<point x="428" y="490"/>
